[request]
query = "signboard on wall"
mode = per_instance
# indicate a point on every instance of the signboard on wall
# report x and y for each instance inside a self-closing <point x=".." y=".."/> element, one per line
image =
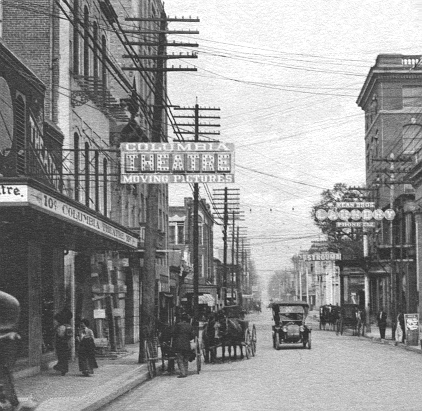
<point x="179" y="162"/>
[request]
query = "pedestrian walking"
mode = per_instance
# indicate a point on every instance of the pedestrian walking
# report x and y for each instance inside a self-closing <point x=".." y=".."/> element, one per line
<point x="86" y="349"/>
<point x="382" y="322"/>
<point x="63" y="338"/>
<point x="182" y="335"/>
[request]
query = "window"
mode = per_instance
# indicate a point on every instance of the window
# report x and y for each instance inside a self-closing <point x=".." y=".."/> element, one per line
<point x="76" y="164"/>
<point x="1" y="18"/>
<point x="412" y="96"/>
<point x="95" y="54"/>
<point x="180" y="234"/>
<point x="76" y="37"/>
<point x="86" y="42"/>
<point x="105" y="182"/>
<point x="412" y="138"/>
<point x="20" y="127"/>
<point x="172" y="234"/>
<point x="87" y="175"/>
<point x="104" y="62"/>
<point x="97" y="180"/>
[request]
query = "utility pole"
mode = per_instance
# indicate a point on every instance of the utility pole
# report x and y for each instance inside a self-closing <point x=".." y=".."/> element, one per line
<point x="147" y="326"/>
<point x="228" y="204"/>
<point x="196" y="132"/>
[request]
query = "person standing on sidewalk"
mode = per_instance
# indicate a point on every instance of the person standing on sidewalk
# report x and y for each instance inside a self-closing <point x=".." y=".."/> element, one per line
<point x="86" y="350"/>
<point x="182" y="335"/>
<point x="382" y="322"/>
<point x="63" y="337"/>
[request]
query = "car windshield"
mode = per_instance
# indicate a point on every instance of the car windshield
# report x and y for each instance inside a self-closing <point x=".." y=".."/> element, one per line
<point x="288" y="313"/>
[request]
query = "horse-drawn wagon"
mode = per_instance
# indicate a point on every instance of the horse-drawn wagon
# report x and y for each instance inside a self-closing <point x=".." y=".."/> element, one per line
<point x="228" y="328"/>
<point x="289" y="324"/>
<point x="351" y="317"/>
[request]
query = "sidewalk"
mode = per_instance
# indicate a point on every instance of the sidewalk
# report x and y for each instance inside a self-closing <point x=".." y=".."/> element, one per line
<point x="374" y="335"/>
<point x="112" y="378"/>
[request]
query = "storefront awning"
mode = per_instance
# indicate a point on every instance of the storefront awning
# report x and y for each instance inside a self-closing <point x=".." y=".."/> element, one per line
<point x="206" y="299"/>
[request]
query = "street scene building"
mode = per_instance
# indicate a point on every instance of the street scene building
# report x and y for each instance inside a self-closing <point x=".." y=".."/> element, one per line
<point x="148" y="232"/>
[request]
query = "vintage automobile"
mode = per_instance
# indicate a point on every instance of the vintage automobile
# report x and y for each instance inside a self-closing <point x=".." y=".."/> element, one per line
<point x="289" y="324"/>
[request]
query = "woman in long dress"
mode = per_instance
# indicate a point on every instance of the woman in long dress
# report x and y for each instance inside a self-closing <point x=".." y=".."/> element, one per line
<point x="86" y="350"/>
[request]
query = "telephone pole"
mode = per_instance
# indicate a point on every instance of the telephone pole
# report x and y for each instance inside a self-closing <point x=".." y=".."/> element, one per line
<point x="196" y="132"/>
<point x="147" y="326"/>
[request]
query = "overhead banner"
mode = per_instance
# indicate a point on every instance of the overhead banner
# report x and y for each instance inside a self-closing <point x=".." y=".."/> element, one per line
<point x="181" y="162"/>
<point x="327" y="256"/>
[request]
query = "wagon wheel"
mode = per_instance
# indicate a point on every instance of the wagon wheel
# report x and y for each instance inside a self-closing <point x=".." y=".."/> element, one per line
<point x="198" y="355"/>
<point x="247" y="343"/>
<point x="150" y="359"/>
<point x="338" y="326"/>
<point x="254" y="340"/>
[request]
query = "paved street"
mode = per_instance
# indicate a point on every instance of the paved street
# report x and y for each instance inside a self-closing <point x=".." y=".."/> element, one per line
<point x="338" y="373"/>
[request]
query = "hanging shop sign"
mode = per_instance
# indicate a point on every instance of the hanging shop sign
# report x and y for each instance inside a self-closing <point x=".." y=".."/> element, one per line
<point x="20" y="194"/>
<point x="320" y="256"/>
<point x="354" y="218"/>
<point x="184" y="162"/>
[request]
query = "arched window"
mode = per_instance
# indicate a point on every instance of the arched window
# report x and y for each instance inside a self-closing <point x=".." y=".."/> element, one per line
<point x="86" y="42"/>
<point x="76" y="164"/>
<point x="95" y="53"/>
<point x="412" y="138"/>
<point x="20" y="127"/>
<point x="87" y="175"/>
<point x="105" y="183"/>
<point x="76" y="37"/>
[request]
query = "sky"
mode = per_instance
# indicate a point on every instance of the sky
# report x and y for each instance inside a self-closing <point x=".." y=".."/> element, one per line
<point x="286" y="76"/>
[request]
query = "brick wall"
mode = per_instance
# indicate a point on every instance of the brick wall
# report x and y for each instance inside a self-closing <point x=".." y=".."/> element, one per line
<point x="29" y="29"/>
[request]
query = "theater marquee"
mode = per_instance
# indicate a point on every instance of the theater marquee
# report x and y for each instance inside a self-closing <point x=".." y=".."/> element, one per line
<point x="184" y="162"/>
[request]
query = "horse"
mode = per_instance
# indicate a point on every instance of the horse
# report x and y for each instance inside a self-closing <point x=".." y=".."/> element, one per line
<point x="165" y="337"/>
<point x="232" y="334"/>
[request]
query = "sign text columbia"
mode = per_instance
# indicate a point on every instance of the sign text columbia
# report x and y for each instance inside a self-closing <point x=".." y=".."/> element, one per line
<point x="181" y="162"/>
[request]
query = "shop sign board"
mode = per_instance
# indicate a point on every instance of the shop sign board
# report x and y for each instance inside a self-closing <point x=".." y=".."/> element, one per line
<point x="411" y="322"/>
<point x="178" y="162"/>
<point x="320" y="256"/>
<point x="21" y="194"/>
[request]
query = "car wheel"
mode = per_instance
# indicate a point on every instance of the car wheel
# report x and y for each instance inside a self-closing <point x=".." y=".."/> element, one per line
<point x="277" y="342"/>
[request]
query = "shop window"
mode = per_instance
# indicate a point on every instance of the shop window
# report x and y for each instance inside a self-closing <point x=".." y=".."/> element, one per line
<point x="412" y="96"/>
<point x="20" y="127"/>
<point x="76" y="37"/>
<point x="172" y="234"/>
<point x="86" y="42"/>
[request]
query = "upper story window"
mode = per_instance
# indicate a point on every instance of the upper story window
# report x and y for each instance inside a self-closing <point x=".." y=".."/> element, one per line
<point x="412" y="138"/>
<point x="76" y="36"/>
<point x="412" y="96"/>
<point x="86" y="42"/>
<point x="1" y="18"/>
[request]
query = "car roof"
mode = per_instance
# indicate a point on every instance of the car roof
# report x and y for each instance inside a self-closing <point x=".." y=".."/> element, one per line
<point x="289" y="303"/>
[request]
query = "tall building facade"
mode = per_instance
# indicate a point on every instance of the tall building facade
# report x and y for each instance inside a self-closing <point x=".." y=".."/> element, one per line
<point x="391" y="98"/>
<point x="76" y="241"/>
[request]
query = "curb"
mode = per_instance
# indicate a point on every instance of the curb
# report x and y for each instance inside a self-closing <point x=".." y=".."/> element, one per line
<point x="97" y="399"/>
<point x="378" y="340"/>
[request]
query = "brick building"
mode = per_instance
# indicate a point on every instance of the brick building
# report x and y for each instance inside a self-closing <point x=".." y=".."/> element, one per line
<point x="391" y="98"/>
<point x="89" y="252"/>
